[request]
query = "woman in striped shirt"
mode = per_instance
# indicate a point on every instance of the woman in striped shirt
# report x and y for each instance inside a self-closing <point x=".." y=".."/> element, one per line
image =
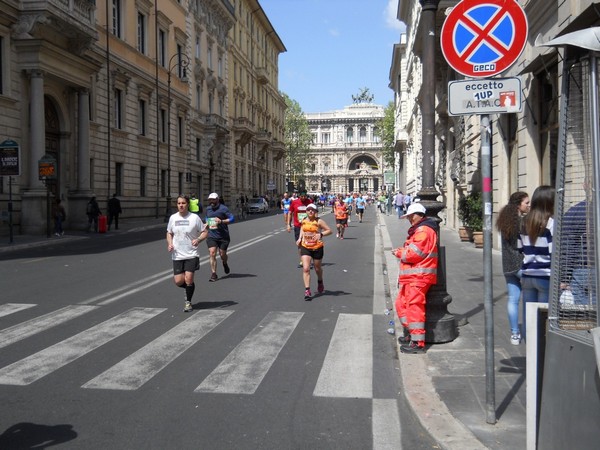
<point x="535" y="242"/>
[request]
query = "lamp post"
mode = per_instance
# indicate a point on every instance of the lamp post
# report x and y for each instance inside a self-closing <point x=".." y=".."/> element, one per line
<point x="440" y="325"/>
<point x="181" y="63"/>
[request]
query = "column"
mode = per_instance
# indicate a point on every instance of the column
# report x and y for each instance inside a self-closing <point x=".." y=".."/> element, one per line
<point x="83" y="141"/>
<point x="37" y="132"/>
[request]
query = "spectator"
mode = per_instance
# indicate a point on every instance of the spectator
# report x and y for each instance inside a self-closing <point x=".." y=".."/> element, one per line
<point x="59" y="214"/>
<point x="93" y="212"/>
<point x="535" y="242"/>
<point x="509" y="223"/>
<point x="114" y="209"/>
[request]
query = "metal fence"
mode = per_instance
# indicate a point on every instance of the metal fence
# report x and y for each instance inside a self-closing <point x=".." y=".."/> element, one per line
<point x="573" y="306"/>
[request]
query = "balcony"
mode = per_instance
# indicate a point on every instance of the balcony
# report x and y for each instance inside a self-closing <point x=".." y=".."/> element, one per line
<point x="263" y="137"/>
<point x="262" y="76"/>
<point x="243" y="130"/>
<point x="74" y="19"/>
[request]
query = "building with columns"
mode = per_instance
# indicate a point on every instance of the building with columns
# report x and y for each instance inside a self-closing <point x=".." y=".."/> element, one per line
<point x="524" y="144"/>
<point x="135" y="98"/>
<point x="346" y="152"/>
<point x="256" y="108"/>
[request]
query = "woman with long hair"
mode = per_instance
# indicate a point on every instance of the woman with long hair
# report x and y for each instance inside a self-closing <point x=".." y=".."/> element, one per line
<point x="535" y="242"/>
<point x="509" y="223"/>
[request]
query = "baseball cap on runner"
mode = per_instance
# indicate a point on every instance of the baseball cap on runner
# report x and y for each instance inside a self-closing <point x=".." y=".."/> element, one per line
<point x="414" y="208"/>
<point x="312" y="206"/>
<point x="213" y="195"/>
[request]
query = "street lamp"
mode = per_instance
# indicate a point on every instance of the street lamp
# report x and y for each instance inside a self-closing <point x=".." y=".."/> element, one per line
<point x="181" y="63"/>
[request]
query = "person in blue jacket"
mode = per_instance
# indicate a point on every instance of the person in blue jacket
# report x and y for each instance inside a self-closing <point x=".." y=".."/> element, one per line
<point x="218" y="217"/>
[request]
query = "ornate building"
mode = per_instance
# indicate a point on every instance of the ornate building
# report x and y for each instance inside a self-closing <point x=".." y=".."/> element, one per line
<point x="523" y="143"/>
<point x="134" y="97"/>
<point x="256" y="108"/>
<point x="346" y="153"/>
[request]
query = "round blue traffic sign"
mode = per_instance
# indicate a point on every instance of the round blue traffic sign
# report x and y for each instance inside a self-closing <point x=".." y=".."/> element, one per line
<point x="482" y="38"/>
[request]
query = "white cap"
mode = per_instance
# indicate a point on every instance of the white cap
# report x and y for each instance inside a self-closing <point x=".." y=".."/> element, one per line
<point x="414" y="208"/>
<point x="312" y="206"/>
<point x="213" y="195"/>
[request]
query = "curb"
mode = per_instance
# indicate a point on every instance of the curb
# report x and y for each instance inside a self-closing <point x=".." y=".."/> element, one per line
<point x="419" y="391"/>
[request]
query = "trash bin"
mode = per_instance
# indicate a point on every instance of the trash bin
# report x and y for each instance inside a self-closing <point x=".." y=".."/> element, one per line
<point x="102" y="224"/>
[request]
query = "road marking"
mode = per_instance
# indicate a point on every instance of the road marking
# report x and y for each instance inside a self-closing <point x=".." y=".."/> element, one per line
<point x="107" y="298"/>
<point x="16" y="333"/>
<point x="348" y="367"/>
<point x="135" y="370"/>
<point x="387" y="433"/>
<point x="11" y="308"/>
<point x="242" y="371"/>
<point x="40" y="364"/>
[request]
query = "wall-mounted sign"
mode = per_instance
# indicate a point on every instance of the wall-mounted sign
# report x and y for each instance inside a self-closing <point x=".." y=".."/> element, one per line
<point x="10" y="158"/>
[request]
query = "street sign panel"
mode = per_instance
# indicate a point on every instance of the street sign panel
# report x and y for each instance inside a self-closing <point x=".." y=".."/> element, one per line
<point x="484" y="96"/>
<point x="482" y="38"/>
<point x="10" y="158"/>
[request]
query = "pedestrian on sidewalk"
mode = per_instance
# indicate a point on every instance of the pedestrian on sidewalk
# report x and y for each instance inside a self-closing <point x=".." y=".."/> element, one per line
<point x="185" y="231"/>
<point x="535" y="242"/>
<point x="114" y="209"/>
<point x="60" y="215"/>
<point x="509" y="224"/>
<point x="310" y="243"/>
<point x="93" y="212"/>
<point x="418" y="272"/>
<point x="218" y="217"/>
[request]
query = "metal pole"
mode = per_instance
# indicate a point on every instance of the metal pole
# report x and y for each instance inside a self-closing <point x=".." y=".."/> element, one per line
<point x="440" y="325"/>
<point x="488" y="301"/>
<point x="168" y="190"/>
<point x="10" y="210"/>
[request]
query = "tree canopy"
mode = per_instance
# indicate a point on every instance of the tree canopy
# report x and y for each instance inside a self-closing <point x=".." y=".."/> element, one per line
<point x="387" y="134"/>
<point x="298" y="139"/>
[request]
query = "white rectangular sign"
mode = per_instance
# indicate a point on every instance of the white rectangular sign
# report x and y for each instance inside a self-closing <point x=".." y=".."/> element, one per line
<point x="484" y="96"/>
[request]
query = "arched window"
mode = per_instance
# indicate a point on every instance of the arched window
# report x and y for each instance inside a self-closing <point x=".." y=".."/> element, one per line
<point x="363" y="134"/>
<point x="349" y="134"/>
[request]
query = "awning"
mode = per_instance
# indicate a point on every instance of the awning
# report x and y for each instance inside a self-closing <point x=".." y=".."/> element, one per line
<point x="588" y="39"/>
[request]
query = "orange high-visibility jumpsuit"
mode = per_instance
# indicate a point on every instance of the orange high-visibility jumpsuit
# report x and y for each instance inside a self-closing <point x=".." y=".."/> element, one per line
<point x="418" y="272"/>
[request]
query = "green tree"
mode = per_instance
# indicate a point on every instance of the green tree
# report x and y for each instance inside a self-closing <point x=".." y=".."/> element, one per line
<point x="385" y="129"/>
<point x="297" y="139"/>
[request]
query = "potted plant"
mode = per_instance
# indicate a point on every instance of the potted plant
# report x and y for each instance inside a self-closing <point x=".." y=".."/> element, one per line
<point x="470" y="212"/>
<point x="464" y="232"/>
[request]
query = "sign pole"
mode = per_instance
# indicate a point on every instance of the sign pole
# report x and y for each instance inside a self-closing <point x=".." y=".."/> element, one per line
<point x="488" y="301"/>
<point x="10" y="209"/>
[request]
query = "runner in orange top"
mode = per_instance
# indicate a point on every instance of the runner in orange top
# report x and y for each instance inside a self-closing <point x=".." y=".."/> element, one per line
<point x="310" y="243"/>
<point x="341" y="216"/>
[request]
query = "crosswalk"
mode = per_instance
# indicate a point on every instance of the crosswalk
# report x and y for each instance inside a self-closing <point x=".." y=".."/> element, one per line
<point x="349" y="355"/>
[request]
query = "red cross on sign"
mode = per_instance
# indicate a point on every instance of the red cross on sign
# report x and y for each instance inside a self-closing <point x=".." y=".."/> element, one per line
<point x="482" y="38"/>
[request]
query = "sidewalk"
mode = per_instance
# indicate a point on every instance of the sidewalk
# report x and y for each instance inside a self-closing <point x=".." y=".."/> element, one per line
<point x="446" y="387"/>
<point x="22" y="241"/>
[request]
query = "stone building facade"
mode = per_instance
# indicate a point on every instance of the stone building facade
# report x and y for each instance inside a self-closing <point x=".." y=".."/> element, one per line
<point x="256" y="108"/>
<point x="346" y="152"/>
<point x="135" y="98"/>
<point x="523" y="144"/>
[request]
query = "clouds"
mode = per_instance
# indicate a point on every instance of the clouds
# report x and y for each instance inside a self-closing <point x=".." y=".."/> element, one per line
<point x="390" y="13"/>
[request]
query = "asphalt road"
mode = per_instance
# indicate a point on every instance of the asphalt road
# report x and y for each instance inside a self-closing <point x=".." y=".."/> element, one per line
<point x="96" y="351"/>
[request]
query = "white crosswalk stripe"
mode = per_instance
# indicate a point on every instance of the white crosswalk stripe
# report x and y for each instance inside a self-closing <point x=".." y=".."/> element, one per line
<point x="46" y="361"/>
<point x="11" y="308"/>
<point x="245" y="367"/>
<point x="24" y="330"/>
<point x="141" y="366"/>
<point x="348" y="367"/>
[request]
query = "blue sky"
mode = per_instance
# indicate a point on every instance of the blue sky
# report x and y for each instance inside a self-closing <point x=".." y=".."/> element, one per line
<point x="334" y="49"/>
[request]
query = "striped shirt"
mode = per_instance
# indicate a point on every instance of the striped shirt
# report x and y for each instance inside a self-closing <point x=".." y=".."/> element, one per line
<point x="537" y="256"/>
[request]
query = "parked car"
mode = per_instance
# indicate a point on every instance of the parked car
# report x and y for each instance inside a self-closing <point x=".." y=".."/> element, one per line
<point x="257" y="205"/>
